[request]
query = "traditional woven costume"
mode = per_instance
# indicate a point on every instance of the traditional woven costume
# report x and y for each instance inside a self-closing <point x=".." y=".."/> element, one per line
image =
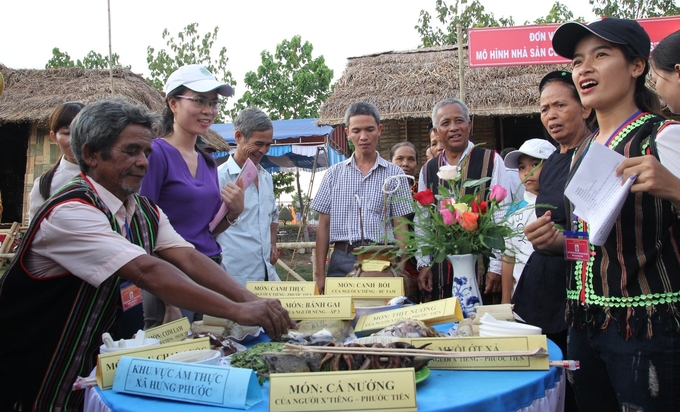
<point x="68" y="314"/>
<point x="479" y="164"/>
<point x="635" y="276"/>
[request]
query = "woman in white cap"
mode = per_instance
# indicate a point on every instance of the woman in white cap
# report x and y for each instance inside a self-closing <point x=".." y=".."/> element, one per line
<point x="182" y="178"/>
<point x="623" y="302"/>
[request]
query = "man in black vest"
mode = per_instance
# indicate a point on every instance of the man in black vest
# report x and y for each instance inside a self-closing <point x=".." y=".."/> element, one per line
<point x="68" y="280"/>
<point x="451" y="120"/>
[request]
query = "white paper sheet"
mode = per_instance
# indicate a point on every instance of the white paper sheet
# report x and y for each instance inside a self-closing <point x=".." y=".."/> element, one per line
<point x="597" y="193"/>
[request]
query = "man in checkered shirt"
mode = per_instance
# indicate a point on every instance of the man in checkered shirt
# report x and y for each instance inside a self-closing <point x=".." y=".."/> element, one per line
<point x="354" y="207"/>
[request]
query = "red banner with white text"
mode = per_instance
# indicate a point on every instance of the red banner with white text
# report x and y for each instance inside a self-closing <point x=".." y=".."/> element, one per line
<point x="522" y="45"/>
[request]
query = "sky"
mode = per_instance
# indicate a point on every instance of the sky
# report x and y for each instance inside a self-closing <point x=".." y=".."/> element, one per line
<point x="30" y="29"/>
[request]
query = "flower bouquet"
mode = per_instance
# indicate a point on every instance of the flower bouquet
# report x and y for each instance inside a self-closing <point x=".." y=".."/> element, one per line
<point x="462" y="220"/>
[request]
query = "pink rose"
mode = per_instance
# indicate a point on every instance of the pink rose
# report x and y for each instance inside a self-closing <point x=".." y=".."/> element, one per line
<point x="498" y="194"/>
<point x="447" y="216"/>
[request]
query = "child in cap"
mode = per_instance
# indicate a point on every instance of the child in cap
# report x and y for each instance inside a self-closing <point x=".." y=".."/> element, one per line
<point x="528" y="160"/>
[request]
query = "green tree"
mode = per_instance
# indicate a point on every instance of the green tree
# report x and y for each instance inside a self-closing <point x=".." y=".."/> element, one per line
<point x="190" y="47"/>
<point x="288" y="84"/>
<point x="448" y="17"/>
<point x="92" y="60"/>
<point x="295" y="202"/>
<point x="283" y="183"/>
<point x="285" y="215"/>
<point x="59" y="59"/>
<point x="313" y="214"/>
<point x="635" y="9"/>
<point x="559" y="13"/>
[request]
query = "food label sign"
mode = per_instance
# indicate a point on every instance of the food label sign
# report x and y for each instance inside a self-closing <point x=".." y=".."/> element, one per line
<point x="319" y="307"/>
<point x="282" y="289"/>
<point x="203" y="384"/>
<point x="376" y="390"/>
<point x="365" y="287"/>
<point x="487" y="344"/>
<point x="107" y="363"/>
<point x="175" y="331"/>
<point x="440" y="311"/>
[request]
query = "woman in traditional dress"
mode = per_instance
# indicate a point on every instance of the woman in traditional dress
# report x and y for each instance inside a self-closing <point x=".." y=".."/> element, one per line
<point x="623" y="301"/>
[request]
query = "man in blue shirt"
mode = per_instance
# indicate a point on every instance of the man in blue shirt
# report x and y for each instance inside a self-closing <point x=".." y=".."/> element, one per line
<point x="249" y="244"/>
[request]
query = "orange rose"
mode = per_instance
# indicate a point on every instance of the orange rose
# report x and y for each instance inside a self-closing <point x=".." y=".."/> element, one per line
<point x="469" y="221"/>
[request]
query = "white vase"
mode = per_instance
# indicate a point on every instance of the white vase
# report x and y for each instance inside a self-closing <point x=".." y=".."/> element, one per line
<point x="464" y="285"/>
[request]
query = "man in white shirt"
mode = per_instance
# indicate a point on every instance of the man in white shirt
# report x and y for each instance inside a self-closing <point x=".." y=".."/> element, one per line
<point x="249" y="243"/>
<point x="90" y="237"/>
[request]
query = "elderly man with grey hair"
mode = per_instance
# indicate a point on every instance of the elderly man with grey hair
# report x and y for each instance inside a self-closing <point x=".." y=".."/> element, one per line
<point x="249" y="244"/>
<point x="92" y="235"/>
<point x="453" y="125"/>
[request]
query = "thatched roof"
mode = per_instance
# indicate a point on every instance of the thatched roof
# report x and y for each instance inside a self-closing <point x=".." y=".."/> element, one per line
<point x="408" y="84"/>
<point x="30" y="95"/>
<point x="216" y="141"/>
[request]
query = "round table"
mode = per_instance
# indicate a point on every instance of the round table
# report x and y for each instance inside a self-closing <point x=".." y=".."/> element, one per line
<point x="444" y="390"/>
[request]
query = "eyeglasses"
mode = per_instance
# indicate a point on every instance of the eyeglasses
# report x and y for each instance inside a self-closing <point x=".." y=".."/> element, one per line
<point x="201" y="102"/>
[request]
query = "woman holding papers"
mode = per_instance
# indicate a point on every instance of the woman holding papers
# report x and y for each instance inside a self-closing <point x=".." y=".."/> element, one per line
<point x="623" y="298"/>
<point x="182" y="178"/>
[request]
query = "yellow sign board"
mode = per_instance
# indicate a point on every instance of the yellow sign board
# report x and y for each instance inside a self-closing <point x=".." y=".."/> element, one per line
<point x="487" y="344"/>
<point x="319" y="307"/>
<point x="282" y="289"/>
<point x="108" y="363"/>
<point x="371" y="390"/>
<point x="174" y="331"/>
<point x="365" y="287"/>
<point x="439" y="311"/>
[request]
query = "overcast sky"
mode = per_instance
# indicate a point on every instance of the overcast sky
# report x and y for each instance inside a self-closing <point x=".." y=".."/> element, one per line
<point x="337" y="30"/>
<point x="30" y="29"/>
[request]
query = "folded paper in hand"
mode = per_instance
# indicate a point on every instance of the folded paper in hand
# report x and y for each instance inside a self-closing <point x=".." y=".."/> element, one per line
<point x="597" y="193"/>
<point x="245" y="178"/>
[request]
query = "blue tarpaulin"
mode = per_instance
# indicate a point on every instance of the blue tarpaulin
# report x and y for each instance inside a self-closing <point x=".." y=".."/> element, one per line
<point x="295" y="145"/>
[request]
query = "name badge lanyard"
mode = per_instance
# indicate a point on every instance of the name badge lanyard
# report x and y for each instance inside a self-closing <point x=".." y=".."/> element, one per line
<point x="130" y="294"/>
<point x="576" y="245"/>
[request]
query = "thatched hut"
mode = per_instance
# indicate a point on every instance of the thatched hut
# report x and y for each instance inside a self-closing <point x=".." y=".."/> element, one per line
<point x="30" y="96"/>
<point x="406" y="85"/>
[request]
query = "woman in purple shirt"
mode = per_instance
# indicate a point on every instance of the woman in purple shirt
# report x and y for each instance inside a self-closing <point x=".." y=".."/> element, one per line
<point x="182" y="179"/>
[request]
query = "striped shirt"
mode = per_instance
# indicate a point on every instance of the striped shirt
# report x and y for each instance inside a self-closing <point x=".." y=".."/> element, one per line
<point x="350" y="197"/>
